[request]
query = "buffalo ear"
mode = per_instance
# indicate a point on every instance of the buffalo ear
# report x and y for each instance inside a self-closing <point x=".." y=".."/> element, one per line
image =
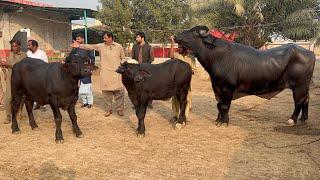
<point x="204" y="33"/>
<point x="209" y="40"/>
<point x="120" y="70"/>
<point x="124" y="64"/>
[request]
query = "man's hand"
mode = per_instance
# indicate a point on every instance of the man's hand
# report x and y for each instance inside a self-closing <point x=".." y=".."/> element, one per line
<point x="4" y="71"/>
<point x="75" y="44"/>
<point x="172" y="39"/>
<point x="3" y="63"/>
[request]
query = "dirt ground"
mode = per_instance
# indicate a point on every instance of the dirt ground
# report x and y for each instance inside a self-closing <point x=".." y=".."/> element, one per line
<point x="256" y="145"/>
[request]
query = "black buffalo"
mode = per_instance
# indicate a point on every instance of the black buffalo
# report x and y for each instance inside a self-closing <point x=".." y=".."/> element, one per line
<point x="146" y="82"/>
<point x="54" y="83"/>
<point x="238" y="70"/>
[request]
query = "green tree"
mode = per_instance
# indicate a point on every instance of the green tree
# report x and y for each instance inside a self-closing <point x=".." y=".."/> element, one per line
<point x="257" y="20"/>
<point x="157" y="18"/>
<point x="160" y="18"/>
<point x="117" y="15"/>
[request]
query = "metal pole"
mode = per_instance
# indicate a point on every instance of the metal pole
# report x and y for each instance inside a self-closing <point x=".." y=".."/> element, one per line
<point x="85" y="27"/>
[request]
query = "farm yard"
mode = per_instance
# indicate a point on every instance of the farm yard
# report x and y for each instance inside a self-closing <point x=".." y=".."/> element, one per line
<point x="255" y="145"/>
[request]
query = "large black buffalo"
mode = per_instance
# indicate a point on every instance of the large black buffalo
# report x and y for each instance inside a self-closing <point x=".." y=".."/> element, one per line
<point x="146" y="82"/>
<point x="238" y="70"/>
<point x="54" y="83"/>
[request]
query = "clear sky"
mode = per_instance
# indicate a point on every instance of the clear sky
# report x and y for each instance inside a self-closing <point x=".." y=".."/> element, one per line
<point x="90" y="4"/>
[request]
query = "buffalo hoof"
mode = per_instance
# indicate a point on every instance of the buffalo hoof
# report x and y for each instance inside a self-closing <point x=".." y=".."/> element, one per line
<point x="219" y="124"/>
<point x="290" y="122"/>
<point x="180" y="126"/>
<point x="59" y="141"/>
<point x="302" y="121"/>
<point x="35" y="128"/>
<point x="16" y="132"/>
<point x="79" y="136"/>
<point x="140" y="135"/>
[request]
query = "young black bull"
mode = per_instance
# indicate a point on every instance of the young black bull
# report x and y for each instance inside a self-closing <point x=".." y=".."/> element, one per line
<point x="147" y="82"/>
<point x="236" y="68"/>
<point x="54" y="83"/>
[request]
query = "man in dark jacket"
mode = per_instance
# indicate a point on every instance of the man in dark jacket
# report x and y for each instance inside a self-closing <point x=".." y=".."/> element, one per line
<point x="85" y="89"/>
<point x="142" y="52"/>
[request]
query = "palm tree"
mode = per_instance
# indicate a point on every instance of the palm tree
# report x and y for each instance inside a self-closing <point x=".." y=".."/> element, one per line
<point x="257" y="20"/>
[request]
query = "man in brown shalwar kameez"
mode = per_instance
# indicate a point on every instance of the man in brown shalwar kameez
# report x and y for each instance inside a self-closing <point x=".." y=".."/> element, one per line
<point x="15" y="56"/>
<point x="111" y="54"/>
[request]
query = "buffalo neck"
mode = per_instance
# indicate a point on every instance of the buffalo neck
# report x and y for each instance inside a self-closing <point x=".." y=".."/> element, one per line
<point x="129" y="84"/>
<point x="72" y="79"/>
<point x="204" y="55"/>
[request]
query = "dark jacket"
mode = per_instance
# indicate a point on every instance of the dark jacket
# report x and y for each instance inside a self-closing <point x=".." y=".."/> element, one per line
<point x="147" y="53"/>
<point x="86" y="53"/>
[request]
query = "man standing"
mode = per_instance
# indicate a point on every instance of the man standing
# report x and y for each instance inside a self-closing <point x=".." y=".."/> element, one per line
<point x="143" y="53"/>
<point x="111" y="54"/>
<point x="182" y="54"/>
<point x="2" y="77"/>
<point x="35" y="52"/>
<point x="14" y="56"/>
<point x="85" y="89"/>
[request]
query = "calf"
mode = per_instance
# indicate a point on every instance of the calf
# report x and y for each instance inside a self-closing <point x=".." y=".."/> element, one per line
<point x="54" y="83"/>
<point x="145" y="82"/>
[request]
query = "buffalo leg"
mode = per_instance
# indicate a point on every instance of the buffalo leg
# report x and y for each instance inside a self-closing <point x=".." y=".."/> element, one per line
<point x="305" y="107"/>
<point x="16" y="101"/>
<point x="300" y="96"/>
<point x="141" y="112"/>
<point x="223" y="107"/>
<point x="58" y="120"/>
<point x="296" y="112"/>
<point x="73" y="117"/>
<point x="219" y="114"/>
<point x="182" y="98"/>
<point x="224" y="113"/>
<point x="29" y="106"/>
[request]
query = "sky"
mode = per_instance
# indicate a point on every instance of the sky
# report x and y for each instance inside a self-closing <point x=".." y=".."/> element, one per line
<point x="90" y="4"/>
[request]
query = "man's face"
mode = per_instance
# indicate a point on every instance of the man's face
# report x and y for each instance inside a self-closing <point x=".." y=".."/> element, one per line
<point x="30" y="47"/>
<point x="15" y="47"/>
<point x="138" y="39"/>
<point x="80" y="40"/>
<point x="107" y="39"/>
